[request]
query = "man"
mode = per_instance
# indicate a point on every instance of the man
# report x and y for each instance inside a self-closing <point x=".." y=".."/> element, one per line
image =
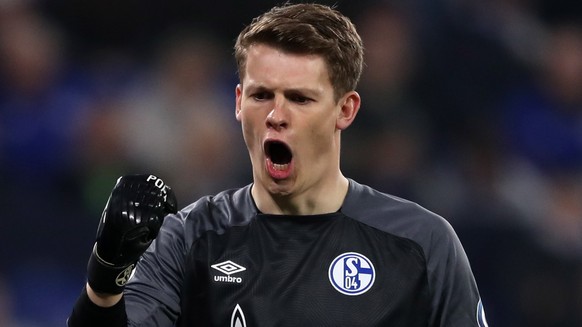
<point x="300" y="246"/>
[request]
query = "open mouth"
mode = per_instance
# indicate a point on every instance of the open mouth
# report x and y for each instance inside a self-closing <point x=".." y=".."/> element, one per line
<point x="279" y="154"/>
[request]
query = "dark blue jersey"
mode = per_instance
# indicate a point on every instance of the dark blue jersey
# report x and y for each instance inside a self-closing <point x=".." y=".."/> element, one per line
<point x="378" y="261"/>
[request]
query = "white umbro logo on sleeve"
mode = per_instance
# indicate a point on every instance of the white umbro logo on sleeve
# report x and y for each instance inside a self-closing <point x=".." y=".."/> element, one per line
<point x="228" y="268"/>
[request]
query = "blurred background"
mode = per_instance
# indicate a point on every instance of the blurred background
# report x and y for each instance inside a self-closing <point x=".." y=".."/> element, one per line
<point x="471" y="108"/>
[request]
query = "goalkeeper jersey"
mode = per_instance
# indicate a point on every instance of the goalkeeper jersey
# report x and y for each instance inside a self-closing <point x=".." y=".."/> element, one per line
<point x="378" y="261"/>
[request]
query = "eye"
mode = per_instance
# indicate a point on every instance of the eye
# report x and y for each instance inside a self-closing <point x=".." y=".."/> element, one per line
<point x="300" y="99"/>
<point x="261" y="96"/>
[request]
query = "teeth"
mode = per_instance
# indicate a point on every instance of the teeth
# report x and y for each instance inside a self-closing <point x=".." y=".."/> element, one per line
<point x="280" y="167"/>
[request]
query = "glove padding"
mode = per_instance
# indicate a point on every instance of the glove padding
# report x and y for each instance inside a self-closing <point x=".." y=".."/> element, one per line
<point x="130" y="222"/>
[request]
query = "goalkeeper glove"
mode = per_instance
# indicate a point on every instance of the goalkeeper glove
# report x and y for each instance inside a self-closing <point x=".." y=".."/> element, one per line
<point x="130" y="222"/>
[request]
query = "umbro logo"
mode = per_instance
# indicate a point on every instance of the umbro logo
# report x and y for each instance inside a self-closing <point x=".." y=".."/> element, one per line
<point x="228" y="268"/>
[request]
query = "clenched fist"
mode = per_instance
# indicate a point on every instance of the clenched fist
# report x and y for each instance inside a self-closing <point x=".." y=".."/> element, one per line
<point x="130" y="222"/>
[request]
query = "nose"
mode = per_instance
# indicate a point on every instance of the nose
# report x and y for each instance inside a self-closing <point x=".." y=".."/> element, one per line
<point x="277" y="118"/>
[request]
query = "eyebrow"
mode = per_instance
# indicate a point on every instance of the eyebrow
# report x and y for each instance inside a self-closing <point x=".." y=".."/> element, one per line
<point x="305" y="91"/>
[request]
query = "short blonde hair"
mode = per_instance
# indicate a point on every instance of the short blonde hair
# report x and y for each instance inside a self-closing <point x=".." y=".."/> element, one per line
<point x="308" y="29"/>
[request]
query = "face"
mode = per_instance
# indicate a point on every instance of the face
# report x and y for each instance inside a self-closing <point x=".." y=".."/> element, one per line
<point x="290" y="120"/>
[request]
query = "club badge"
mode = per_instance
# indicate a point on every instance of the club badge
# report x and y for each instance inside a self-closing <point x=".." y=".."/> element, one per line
<point x="352" y="273"/>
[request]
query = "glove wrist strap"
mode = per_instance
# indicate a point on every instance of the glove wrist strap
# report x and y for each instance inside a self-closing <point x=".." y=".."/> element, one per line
<point x="105" y="277"/>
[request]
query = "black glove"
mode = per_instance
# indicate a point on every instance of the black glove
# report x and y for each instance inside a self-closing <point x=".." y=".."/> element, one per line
<point x="130" y="222"/>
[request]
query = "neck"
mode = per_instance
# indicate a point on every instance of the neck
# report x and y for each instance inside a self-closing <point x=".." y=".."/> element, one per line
<point x="324" y="199"/>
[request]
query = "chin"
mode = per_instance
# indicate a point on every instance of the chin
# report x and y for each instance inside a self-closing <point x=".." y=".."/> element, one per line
<point x="279" y="188"/>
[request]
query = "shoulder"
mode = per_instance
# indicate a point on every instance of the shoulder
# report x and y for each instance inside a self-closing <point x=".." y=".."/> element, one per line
<point x="232" y="207"/>
<point x="396" y="215"/>
<point x="369" y="205"/>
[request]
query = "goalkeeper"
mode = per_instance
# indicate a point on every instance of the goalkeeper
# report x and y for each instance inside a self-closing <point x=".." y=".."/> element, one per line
<point x="302" y="245"/>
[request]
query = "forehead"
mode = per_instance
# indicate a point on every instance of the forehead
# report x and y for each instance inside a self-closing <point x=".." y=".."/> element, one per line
<point x="271" y="67"/>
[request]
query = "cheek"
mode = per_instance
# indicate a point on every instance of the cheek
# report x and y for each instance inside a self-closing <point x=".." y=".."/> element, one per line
<point x="321" y="133"/>
<point x="248" y="131"/>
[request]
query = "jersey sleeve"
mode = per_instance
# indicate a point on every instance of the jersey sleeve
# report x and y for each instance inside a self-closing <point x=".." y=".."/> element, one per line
<point x="87" y="314"/>
<point x="455" y="297"/>
<point x="152" y="296"/>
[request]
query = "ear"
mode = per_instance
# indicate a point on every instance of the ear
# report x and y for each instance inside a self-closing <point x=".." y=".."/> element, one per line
<point x="349" y="107"/>
<point x="238" y="95"/>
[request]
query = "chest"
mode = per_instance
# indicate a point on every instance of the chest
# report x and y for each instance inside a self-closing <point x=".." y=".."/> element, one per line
<point x="333" y="273"/>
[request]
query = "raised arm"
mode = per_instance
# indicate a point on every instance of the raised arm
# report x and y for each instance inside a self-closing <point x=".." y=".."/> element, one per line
<point x="131" y="220"/>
